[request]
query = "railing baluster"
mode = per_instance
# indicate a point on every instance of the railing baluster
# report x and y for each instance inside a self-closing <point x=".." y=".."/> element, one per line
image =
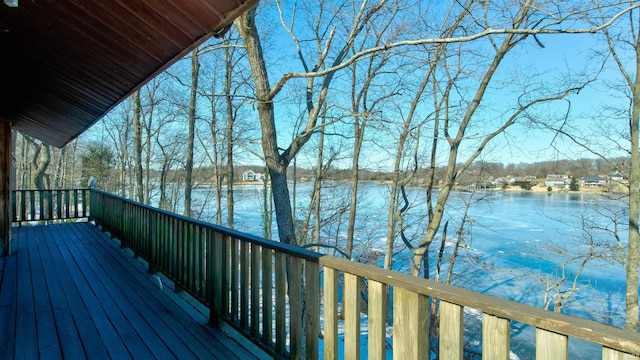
<point x="234" y="279"/>
<point x="451" y="331"/>
<point x="281" y="306"/>
<point x="312" y="308"/>
<point x="255" y="290"/>
<point x="267" y="301"/>
<point x="23" y="206"/>
<point x="32" y="203"/>
<point x="226" y="275"/>
<point x="245" y="265"/>
<point x="410" y="324"/>
<point x="43" y="214"/>
<point x="295" y="308"/>
<point x="551" y="346"/>
<point x="610" y="354"/>
<point x="215" y="260"/>
<point x="377" y="311"/>
<point x="495" y="337"/>
<point x="330" y="313"/>
<point x="50" y="204"/>
<point x="351" y="311"/>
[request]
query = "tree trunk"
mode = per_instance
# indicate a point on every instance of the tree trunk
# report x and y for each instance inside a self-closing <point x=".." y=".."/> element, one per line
<point x="230" y="138"/>
<point x="355" y="179"/>
<point x="632" y="320"/>
<point x="188" y="182"/>
<point x="276" y="164"/>
<point x="137" y="146"/>
<point x="41" y="160"/>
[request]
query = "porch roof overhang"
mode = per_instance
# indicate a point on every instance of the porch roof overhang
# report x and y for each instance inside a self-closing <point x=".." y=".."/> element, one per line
<point x="65" y="64"/>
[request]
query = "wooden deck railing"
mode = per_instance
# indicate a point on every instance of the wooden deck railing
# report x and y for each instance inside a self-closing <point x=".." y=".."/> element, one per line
<point x="242" y="278"/>
<point x="49" y="205"/>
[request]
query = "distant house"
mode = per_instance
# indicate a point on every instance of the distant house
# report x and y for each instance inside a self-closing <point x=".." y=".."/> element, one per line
<point x="617" y="176"/>
<point x="251" y="175"/>
<point x="594" y="181"/>
<point x="557" y="181"/>
<point x="524" y="181"/>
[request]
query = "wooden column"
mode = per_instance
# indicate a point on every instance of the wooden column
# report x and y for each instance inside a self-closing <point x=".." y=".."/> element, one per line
<point x="5" y="187"/>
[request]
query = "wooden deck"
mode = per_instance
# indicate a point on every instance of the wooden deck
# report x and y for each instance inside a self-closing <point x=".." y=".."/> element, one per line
<point x="68" y="292"/>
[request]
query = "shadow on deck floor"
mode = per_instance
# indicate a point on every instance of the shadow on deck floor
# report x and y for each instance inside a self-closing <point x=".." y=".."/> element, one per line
<point x="68" y="292"/>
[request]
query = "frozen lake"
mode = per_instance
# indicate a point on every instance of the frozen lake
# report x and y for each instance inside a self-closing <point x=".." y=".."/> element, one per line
<point x="516" y="245"/>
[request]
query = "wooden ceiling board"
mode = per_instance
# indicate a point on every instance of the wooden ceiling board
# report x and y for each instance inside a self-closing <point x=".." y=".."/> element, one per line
<point x="65" y="64"/>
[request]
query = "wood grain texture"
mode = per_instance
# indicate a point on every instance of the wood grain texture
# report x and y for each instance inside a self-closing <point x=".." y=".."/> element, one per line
<point x="410" y="325"/>
<point x="377" y="311"/>
<point x="351" y="313"/>
<point x="451" y="331"/>
<point x="551" y="346"/>
<point x="496" y="339"/>
<point x="312" y="309"/>
<point x="330" y="313"/>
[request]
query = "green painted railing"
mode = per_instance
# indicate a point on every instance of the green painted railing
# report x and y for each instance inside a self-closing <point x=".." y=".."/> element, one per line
<point x="242" y="278"/>
<point x="49" y="205"/>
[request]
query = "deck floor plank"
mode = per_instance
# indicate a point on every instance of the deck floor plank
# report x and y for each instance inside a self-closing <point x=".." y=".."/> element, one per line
<point x="178" y="325"/>
<point x="26" y="316"/>
<point x="48" y="343"/>
<point x="8" y="299"/>
<point x="136" y="330"/>
<point x="83" y="323"/>
<point x="125" y="337"/>
<point x="83" y="280"/>
<point x="69" y="339"/>
<point x="68" y="292"/>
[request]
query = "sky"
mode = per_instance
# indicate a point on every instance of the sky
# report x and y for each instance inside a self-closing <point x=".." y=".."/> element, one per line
<point x="559" y="56"/>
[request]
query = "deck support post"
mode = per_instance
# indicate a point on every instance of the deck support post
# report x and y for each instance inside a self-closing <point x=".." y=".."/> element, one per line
<point x="5" y="187"/>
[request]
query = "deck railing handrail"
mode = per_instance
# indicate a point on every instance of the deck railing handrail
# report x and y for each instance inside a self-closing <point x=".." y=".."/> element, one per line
<point x="243" y="280"/>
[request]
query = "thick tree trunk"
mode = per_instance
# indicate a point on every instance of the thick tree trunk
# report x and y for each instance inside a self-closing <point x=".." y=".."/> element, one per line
<point x="276" y="164"/>
<point x="137" y="146"/>
<point x="633" y="261"/>
<point x="188" y="182"/>
<point x="41" y="161"/>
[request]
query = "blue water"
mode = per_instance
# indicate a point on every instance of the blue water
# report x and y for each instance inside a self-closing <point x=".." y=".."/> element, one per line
<point x="514" y="243"/>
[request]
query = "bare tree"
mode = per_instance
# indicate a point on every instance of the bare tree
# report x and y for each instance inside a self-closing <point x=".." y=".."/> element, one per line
<point x="188" y="181"/>
<point x="137" y="146"/>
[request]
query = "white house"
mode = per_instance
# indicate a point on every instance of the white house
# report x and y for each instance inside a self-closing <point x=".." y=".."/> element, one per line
<point x="251" y="175"/>
<point x="557" y="181"/>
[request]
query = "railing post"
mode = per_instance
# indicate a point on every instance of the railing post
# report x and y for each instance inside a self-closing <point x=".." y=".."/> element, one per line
<point x="351" y="311"/>
<point x="267" y="299"/>
<point x="377" y="311"/>
<point x="451" y="331"/>
<point x="312" y="308"/>
<point x="152" y="242"/>
<point x="551" y="346"/>
<point x="410" y="325"/>
<point x="281" y="306"/>
<point x="330" y="313"/>
<point x="495" y="337"/>
<point x="255" y="289"/>
<point x="295" y="308"/>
